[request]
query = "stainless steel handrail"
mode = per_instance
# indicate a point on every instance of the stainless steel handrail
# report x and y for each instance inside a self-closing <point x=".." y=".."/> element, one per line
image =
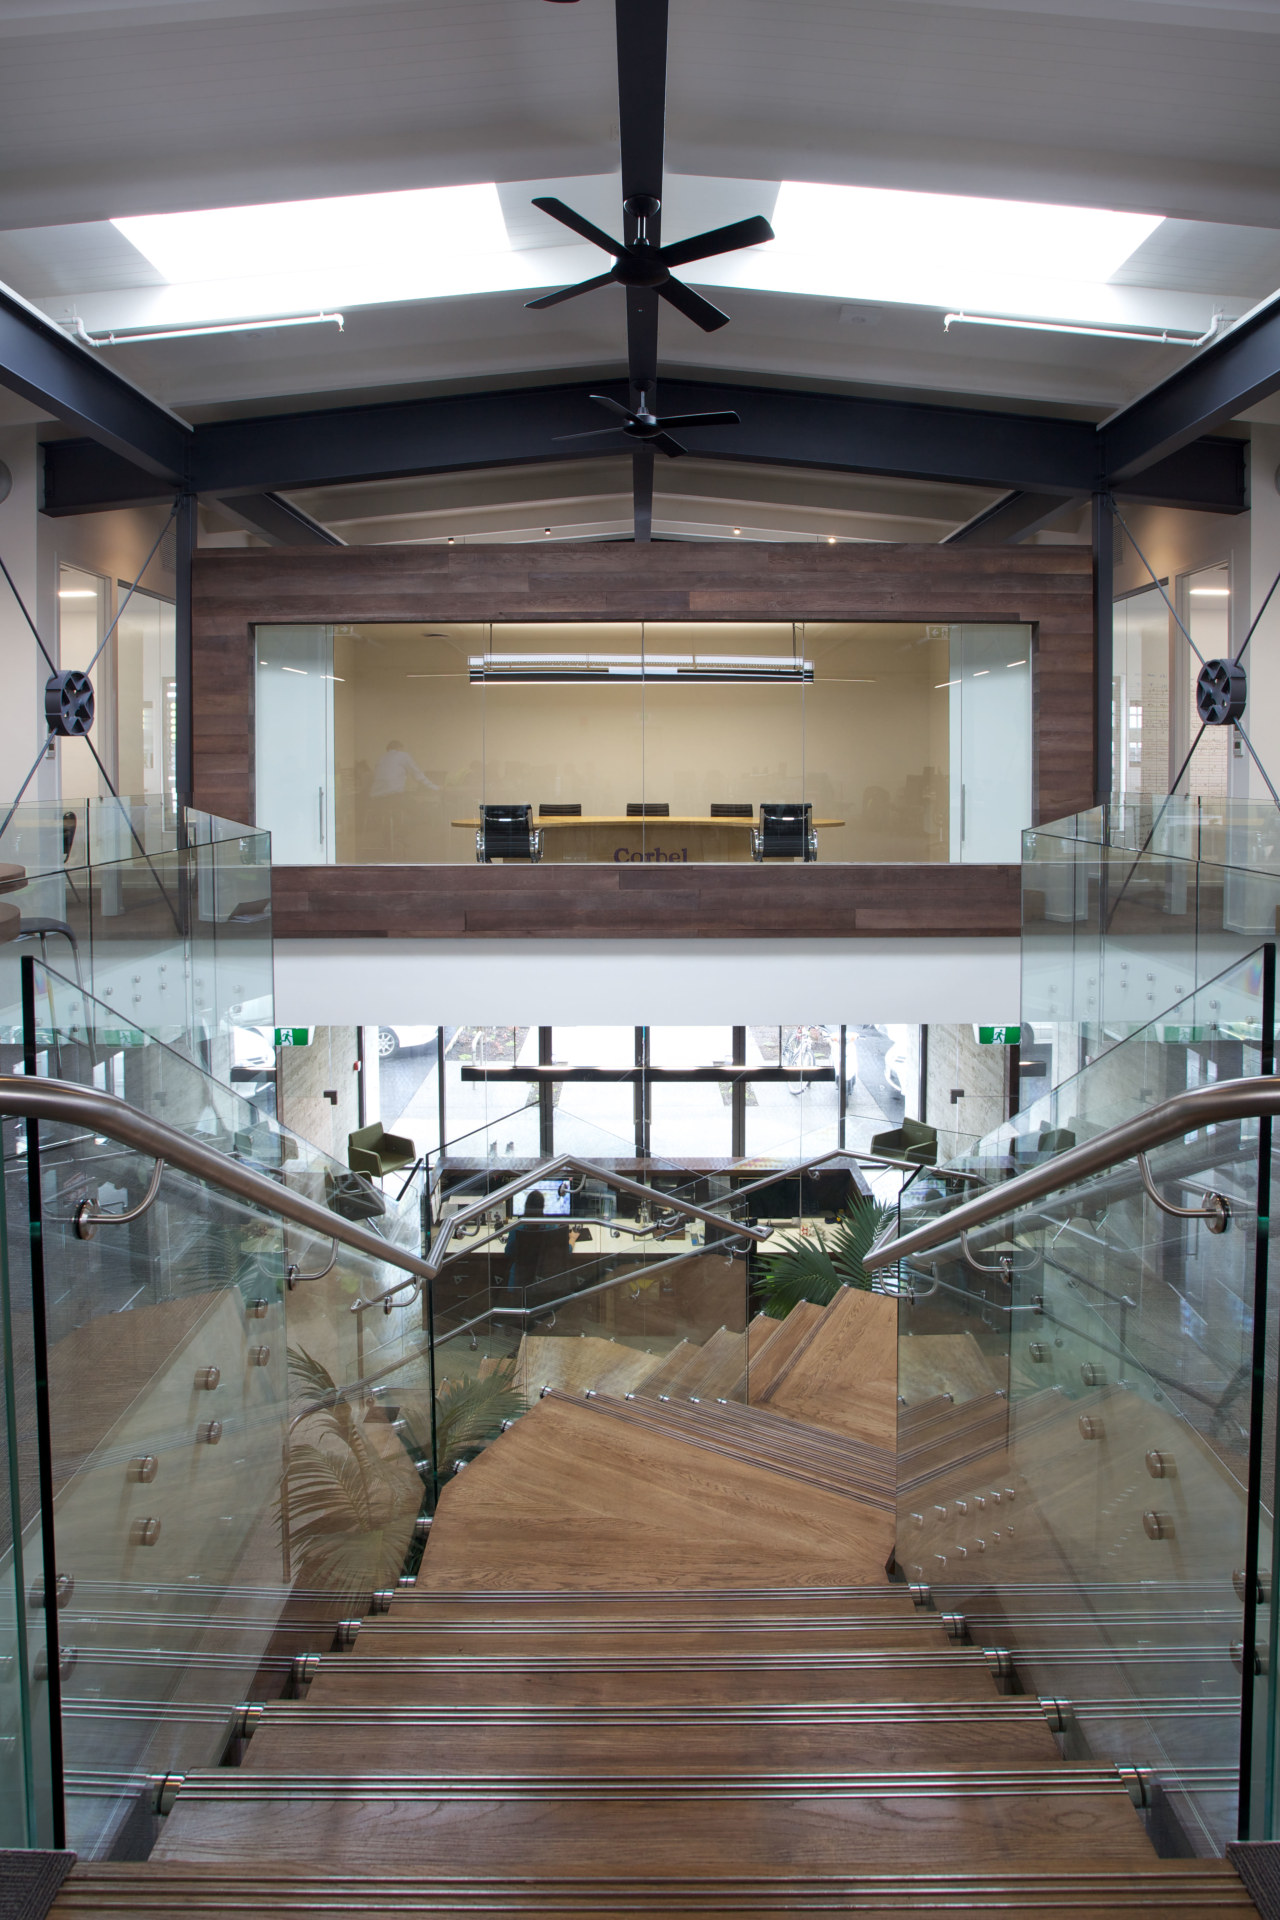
<point x="548" y="1170"/>
<point x="1225" y="1101"/>
<point x="105" y="1113"/>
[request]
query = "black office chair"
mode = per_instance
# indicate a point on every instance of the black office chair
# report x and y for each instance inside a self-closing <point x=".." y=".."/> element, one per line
<point x="785" y="832"/>
<point x="560" y="809"/>
<point x="648" y="809"/>
<point x="507" y="833"/>
<point x="732" y="810"/>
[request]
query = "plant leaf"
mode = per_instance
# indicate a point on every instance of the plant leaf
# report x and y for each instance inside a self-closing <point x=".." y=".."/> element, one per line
<point x="815" y="1268"/>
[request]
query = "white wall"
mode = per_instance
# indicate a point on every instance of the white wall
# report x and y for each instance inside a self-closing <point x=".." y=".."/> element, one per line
<point x="22" y="670"/>
<point x="1262" y="716"/>
<point x="643" y="982"/>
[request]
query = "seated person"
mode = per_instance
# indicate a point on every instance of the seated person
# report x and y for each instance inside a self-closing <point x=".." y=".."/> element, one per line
<point x="537" y="1247"/>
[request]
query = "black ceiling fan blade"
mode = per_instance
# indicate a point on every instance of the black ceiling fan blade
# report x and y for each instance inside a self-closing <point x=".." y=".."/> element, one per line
<point x="603" y="400"/>
<point x="599" y="433"/>
<point x="642" y="491"/>
<point x="742" y="233"/>
<point x="568" y="218"/>
<point x="571" y="293"/>
<point x="670" y="447"/>
<point x="693" y="306"/>
<point x="700" y="420"/>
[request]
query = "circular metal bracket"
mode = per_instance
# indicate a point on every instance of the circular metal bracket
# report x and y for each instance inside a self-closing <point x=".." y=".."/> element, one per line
<point x="68" y="703"/>
<point x="1221" y="692"/>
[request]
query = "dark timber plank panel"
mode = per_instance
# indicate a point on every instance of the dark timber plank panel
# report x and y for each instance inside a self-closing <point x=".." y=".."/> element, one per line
<point x="608" y="902"/>
<point x="1047" y="587"/>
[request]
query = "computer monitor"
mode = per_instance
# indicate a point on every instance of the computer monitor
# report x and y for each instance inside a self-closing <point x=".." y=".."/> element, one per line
<point x="557" y="1198"/>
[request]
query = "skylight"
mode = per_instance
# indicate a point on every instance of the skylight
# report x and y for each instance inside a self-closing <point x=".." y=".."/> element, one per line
<point x="950" y="233"/>
<point x="308" y="236"/>
<point x="946" y="251"/>
<point x="933" y="249"/>
<point x="377" y="243"/>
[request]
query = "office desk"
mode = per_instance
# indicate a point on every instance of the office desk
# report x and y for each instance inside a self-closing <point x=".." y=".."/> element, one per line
<point x="621" y="837"/>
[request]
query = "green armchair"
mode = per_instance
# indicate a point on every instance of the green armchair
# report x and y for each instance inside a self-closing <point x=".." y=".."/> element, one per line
<point x="375" y="1152"/>
<point x="913" y="1140"/>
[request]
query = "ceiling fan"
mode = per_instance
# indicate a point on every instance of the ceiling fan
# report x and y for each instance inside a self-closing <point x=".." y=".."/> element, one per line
<point x="640" y="424"/>
<point x="645" y="264"/>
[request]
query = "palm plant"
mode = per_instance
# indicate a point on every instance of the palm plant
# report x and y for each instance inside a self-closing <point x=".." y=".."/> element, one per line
<point x="349" y="1508"/>
<point x="349" y="1512"/>
<point x="816" y="1266"/>
<point x="470" y="1411"/>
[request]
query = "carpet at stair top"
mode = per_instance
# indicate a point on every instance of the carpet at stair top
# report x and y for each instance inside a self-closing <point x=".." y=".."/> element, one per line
<point x="1258" y="1864"/>
<point x="29" y="1882"/>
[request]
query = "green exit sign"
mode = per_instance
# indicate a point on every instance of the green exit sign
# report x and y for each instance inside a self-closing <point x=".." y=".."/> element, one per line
<point x="293" y="1036"/>
<point x="999" y="1036"/>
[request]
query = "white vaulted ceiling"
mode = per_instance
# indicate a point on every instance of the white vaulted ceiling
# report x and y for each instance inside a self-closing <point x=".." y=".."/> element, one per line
<point x="111" y="108"/>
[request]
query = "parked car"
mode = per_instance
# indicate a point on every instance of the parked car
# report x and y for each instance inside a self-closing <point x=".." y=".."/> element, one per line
<point x="394" y="1040"/>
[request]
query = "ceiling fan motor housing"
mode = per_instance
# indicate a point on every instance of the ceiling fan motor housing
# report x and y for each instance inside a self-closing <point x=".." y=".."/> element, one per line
<point x="1221" y="691"/>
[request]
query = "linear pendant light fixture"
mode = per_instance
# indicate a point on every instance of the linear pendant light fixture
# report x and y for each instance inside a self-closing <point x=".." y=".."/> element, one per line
<point x="613" y="669"/>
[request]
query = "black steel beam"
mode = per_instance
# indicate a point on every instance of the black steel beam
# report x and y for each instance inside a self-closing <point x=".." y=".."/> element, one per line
<point x="780" y="427"/>
<point x="838" y="433"/>
<point x="279" y="521"/>
<point x="82" y="477"/>
<point x="1014" y="518"/>
<point x="1226" y="377"/>
<point x="54" y="372"/>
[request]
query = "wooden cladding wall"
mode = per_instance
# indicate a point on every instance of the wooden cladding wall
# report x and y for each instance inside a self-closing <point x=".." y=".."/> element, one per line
<point x="1049" y="588"/>
<point x="736" y="901"/>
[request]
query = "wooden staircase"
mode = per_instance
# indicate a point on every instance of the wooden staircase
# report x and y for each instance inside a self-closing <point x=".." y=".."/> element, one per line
<point x="654" y="1665"/>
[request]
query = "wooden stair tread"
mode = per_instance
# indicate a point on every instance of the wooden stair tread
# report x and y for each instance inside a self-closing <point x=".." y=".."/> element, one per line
<point x="524" y="1512"/>
<point x="845" y="1376"/>
<point x="1189" y="1889"/>
<point x="860" y="1477"/>
<point x="574" y="1361"/>
<point x="833" y="1678"/>
<point x="297" y="1736"/>
<point x="936" y="1363"/>
<point x="669" y="1367"/>
<point x="568" y="1609"/>
<point x="681" y="1825"/>
<point x="781" y="1345"/>
<point x="698" y="1358"/>
<point x="760" y="1331"/>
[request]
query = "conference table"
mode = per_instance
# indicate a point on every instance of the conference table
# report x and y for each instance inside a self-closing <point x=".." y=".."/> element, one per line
<point x="623" y="837"/>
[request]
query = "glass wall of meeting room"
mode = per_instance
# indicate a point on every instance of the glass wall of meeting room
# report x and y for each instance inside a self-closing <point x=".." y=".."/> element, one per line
<point x="503" y="1094"/>
<point x="655" y="741"/>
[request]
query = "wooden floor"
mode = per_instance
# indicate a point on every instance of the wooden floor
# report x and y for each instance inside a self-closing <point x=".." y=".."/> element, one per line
<point x="654" y="1664"/>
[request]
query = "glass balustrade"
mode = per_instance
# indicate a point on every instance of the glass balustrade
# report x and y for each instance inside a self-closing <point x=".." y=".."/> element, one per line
<point x="1129" y="908"/>
<point x="163" y="917"/>
<point x="221" y="1500"/>
<point x="1081" y="1423"/>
